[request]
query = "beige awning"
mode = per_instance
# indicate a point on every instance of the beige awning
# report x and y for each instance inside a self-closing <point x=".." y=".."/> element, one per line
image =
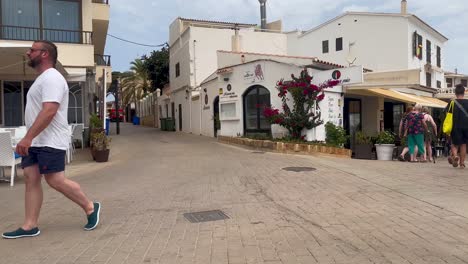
<point x="407" y="98"/>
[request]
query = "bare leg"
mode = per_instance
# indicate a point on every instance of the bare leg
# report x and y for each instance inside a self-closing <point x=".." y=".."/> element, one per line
<point x="32" y="197"/>
<point x="462" y="154"/>
<point x="70" y="189"/>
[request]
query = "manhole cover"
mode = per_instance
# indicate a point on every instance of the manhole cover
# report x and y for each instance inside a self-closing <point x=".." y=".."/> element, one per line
<point x="206" y="216"/>
<point x="258" y="152"/>
<point x="299" y="169"/>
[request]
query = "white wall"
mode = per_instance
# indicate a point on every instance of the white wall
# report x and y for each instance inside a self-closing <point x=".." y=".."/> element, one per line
<point x="415" y="62"/>
<point x="207" y="108"/>
<point x="196" y="48"/>
<point x="380" y="41"/>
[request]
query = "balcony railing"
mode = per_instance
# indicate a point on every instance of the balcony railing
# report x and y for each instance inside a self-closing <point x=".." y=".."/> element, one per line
<point x="101" y="2"/>
<point x="102" y="60"/>
<point x="54" y="35"/>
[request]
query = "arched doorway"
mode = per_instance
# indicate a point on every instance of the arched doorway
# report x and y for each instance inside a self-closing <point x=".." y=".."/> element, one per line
<point x="253" y="100"/>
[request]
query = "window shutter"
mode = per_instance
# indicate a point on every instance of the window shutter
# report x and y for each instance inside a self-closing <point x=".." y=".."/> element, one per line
<point x="420" y="46"/>
<point x="439" y="57"/>
<point x="415" y="44"/>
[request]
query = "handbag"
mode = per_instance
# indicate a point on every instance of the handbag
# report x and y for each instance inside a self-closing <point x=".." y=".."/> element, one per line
<point x="448" y="121"/>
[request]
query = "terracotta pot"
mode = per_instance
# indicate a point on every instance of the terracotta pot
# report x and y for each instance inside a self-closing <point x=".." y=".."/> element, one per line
<point x="101" y="155"/>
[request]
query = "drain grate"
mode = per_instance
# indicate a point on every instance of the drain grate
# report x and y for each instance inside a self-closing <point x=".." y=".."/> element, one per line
<point x="207" y="216"/>
<point x="299" y="169"/>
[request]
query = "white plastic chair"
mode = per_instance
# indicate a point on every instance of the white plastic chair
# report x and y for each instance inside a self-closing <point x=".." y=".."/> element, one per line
<point x="7" y="155"/>
<point x="78" y="130"/>
<point x="70" y="149"/>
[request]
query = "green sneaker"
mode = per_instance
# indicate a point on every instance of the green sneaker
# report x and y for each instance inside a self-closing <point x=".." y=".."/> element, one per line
<point x="20" y="232"/>
<point x="93" y="218"/>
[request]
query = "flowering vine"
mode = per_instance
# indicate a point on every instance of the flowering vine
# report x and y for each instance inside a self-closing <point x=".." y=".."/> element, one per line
<point x="306" y="97"/>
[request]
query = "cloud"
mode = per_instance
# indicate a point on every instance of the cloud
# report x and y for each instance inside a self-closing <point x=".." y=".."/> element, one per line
<point x="148" y="21"/>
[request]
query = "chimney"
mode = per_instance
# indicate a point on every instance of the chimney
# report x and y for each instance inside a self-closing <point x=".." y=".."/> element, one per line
<point x="404" y="7"/>
<point x="236" y="40"/>
<point x="263" y="13"/>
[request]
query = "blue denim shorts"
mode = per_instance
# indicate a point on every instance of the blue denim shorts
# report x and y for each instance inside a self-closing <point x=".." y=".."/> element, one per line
<point x="50" y="160"/>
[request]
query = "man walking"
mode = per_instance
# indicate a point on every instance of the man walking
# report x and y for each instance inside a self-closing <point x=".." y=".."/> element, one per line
<point x="459" y="133"/>
<point x="44" y="146"/>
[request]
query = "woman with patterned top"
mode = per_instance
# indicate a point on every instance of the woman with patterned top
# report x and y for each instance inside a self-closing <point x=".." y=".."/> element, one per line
<point x="415" y="131"/>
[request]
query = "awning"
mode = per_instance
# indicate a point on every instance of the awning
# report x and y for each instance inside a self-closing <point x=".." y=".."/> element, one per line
<point x="409" y="98"/>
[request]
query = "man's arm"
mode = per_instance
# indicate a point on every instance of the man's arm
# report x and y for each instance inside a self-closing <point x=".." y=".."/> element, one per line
<point x="44" y="118"/>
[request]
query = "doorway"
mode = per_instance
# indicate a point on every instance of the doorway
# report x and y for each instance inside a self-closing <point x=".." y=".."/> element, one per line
<point x="352" y="121"/>
<point x="254" y="121"/>
<point x="180" y="117"/>
<point x="216" y="121"/>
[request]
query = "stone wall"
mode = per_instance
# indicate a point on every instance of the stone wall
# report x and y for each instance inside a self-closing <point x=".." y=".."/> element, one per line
<point x="283" y="147"/>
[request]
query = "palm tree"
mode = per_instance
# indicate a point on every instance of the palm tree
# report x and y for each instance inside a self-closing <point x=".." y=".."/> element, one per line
<point x="135" y="86"/>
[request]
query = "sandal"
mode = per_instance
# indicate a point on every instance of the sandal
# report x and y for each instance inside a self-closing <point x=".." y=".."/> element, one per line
<point x="450" y="159"/>
<point x="455" y="161"/>
<point x="462" y="166"/>
<point x="401" y="158"/>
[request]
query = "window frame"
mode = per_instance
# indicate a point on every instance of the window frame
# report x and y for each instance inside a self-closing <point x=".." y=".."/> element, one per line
<point x="177" y="69"/>
<point x="339" y="44"/>
<point x="428" y="79"/>
<point x="428" y="51"/>
<point x="325" y="46"/>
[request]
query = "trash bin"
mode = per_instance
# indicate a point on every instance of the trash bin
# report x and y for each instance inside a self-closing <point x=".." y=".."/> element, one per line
<point x="136" y="120"/>
<point x="107" y="125"/>
<point x="163" y="124"/>
<point x="170" y="124"/>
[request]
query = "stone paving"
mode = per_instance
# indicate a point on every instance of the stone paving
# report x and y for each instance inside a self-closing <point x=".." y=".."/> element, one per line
<point x="347" y="211"/>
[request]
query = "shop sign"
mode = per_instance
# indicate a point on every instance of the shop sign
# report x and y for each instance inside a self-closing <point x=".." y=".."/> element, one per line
<point x="349" y="75"/>
<point x="229" y="93"/>
<point x="393" y="77"/>
<point x="255" y="74"/>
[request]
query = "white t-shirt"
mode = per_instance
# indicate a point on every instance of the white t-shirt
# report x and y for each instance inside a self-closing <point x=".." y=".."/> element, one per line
<point x="50" y="86"/>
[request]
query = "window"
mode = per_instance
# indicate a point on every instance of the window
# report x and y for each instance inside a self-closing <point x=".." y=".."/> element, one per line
<point x="417" y="45"/>
<point x="228" y="111"/>
<point x="325" y="46"/>
<point x="59" y="20"/>
<point x="439" y="57"/>
<point x="177" y="70"/>
<point x="75" y="103"/>
<point x="339" y="44"/>
<point x="428" y="79"/>
<point x="428" y="51"/>
<point x="464" y="82"/>
<point x="449" y="82"/>
<point x="439" y="84"/>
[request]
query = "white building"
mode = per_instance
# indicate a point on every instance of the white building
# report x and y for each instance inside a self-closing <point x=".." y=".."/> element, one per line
<point x="193" y="45"/>
<point x="404" y="53"/>
<point x="452" y="79"/>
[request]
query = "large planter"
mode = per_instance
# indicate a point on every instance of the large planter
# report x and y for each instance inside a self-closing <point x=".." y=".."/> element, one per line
<point x="101" y="155"/>
<point x="384" y="151"/>
<point x="363" y="151"/>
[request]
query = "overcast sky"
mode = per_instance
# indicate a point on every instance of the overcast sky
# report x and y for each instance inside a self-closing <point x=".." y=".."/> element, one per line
<point x="147" y="21"/>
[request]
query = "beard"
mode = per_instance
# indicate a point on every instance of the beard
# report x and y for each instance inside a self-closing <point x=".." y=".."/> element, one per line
<point x="34" y="62"/>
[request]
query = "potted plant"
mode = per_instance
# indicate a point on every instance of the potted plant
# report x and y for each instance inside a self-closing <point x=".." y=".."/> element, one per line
<point x="100" y="146"/>
<point x="385" y="144"/>
<point x="96" y="126"/>
<point x="362" y="146"/>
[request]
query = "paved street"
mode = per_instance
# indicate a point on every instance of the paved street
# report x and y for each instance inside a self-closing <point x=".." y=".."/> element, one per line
<point x="347" y="211"/>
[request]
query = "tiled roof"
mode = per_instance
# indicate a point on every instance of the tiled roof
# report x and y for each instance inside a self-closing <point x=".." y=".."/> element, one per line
<point x="315" y="59"/>
<point x="217" y="22"/>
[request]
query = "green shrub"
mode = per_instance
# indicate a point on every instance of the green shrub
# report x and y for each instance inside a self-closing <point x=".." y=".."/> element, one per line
<point x="95" y="122"/>
<point x="336" y="135"/>
<point x="362" y="139"/>
<point x="385" y="137"/>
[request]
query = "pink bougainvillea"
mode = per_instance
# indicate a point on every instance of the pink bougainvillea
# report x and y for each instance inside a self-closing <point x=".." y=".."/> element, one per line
<point x="305" y="96"/>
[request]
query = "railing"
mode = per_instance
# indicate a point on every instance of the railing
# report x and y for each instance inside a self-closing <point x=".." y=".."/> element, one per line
<point x="102" y="60"/>
<point x="54" y="35"/>
<point x="101" y="2"/>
